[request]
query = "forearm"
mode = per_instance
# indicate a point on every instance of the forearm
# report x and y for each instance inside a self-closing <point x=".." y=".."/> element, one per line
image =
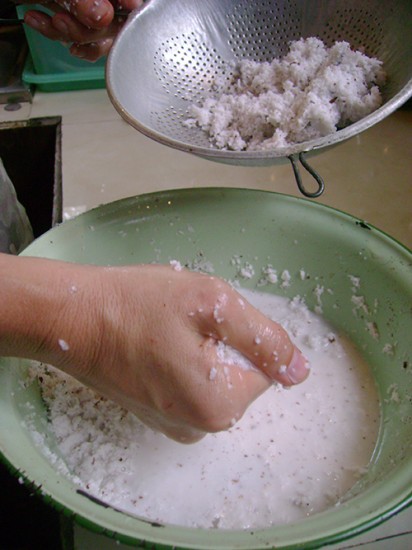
<point x="146" y="337"/>
<point x="43" y="308"/>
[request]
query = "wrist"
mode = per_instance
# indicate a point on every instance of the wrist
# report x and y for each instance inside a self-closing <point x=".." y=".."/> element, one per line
<point x="48" y="311"/>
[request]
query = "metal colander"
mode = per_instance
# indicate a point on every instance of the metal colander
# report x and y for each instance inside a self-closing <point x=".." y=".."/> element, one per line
<point x="171" y="52"/>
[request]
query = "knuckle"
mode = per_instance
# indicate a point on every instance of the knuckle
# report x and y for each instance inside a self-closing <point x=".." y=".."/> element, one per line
<point x="211" y="293"/>
<point x="214" y="418"/>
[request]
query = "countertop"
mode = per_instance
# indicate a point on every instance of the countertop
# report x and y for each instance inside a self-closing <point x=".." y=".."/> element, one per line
<point x="104" y="159"/>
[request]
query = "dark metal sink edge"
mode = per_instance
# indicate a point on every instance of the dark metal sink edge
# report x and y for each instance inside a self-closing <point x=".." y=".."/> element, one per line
<point x="31" y="154"/>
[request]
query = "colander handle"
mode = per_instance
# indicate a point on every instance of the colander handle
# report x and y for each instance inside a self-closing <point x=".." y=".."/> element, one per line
<point x="311" y="171"/>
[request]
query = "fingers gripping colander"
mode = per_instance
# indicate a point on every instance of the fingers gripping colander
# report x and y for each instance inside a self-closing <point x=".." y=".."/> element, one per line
<point x="171" y="52"/>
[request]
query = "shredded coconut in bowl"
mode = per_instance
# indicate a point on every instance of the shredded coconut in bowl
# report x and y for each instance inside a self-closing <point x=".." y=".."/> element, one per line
<point x="309" y="93"/>
<point x="294" y="453"/>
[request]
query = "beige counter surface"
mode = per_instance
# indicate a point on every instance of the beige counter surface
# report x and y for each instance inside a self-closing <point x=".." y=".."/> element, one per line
<point x="104" y="159"/>
<point x="369" y="176"/>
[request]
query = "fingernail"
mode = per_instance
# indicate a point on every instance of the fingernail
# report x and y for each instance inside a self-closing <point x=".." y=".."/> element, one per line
<point x="61" y="25"/>
<point x="33" y="22"/>
<point x="77" y="51"/>
<point x="298" y="368"/>
<point x="98" y="12"/>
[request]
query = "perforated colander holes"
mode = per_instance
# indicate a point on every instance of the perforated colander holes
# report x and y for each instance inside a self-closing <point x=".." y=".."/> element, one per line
<point x="171" y="122"/>
<point x="187" y="67"/>
<point x="360" y="27"/>
<point x="265" y="33"/>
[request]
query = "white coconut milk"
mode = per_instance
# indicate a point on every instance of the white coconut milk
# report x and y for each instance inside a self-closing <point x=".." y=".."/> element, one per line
<point x="295" y="452"/>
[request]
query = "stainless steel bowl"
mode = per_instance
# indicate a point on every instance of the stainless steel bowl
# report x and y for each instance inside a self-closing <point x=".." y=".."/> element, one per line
<point x="171" y="51"/>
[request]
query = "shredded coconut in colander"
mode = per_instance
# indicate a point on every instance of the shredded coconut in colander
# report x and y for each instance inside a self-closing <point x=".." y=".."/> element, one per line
<point x="310" y="93"/>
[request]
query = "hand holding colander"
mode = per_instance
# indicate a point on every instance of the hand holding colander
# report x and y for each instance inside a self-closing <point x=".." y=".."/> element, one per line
<point x="171" y="52"/>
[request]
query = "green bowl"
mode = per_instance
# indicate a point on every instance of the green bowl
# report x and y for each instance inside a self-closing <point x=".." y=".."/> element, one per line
<point x="210" y="227"/>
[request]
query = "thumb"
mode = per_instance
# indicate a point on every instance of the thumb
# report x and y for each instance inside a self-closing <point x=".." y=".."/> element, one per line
<point x="131" y="4"/>
<point x="264" y="342"/>
<point x="94" y="14"/>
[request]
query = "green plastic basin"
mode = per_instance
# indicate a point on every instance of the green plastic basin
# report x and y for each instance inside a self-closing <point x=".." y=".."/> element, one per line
<point x="214" y="225"/>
